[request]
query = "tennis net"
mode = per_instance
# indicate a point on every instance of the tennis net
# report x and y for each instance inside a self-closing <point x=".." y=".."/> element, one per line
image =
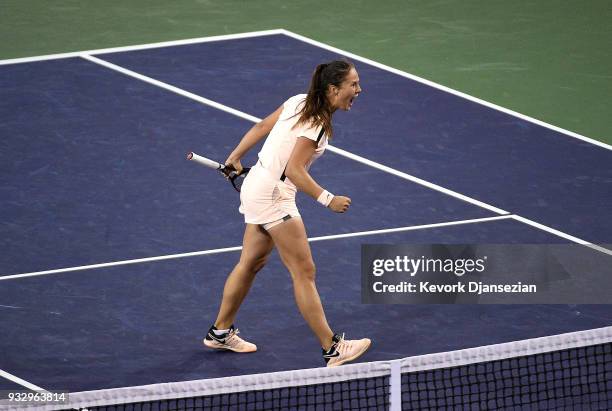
<point x="562" y="372"/>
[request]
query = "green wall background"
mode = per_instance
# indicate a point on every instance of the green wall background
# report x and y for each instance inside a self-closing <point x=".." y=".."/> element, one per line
<point x="549" y="59"/>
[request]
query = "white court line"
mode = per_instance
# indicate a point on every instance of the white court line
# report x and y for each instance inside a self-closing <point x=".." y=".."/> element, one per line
<point x="446" y="89"/>
<point x="171" y="88"/>
<point x="143" y="46"/>
<point x="339" y="151"/>
<point x="561" y="234"/>
<point x="238" y="248"/>
<point x="21" y="382"/>
<point x="317" y="44"/>
<point x="27" y="385"/>
<point x="331" y="148"/>
<point x="124" y="262"/>
<point x="414" y="179"/>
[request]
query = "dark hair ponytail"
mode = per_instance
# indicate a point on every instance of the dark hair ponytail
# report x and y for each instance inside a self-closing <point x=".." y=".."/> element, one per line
<point x="316" y="109"/>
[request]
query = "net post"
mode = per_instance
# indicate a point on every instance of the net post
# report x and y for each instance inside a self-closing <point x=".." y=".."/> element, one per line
<point x="395" y="385"/>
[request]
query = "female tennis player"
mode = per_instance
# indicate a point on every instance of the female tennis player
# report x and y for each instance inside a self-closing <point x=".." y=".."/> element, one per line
<point x="297" y="132"/>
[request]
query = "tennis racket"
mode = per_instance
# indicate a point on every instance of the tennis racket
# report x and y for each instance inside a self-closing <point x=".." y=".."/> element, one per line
<point x="228" y="171"/>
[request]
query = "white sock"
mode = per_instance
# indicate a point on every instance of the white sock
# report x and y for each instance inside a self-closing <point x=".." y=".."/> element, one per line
<point x="220" y="332"/>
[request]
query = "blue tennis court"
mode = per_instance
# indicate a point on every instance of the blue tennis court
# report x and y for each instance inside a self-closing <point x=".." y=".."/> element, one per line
<point x="93" y="171"/>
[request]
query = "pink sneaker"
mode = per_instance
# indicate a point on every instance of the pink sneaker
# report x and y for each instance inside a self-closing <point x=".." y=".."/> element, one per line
<point x="228" y="341"/>
<point x="343" y="351"/>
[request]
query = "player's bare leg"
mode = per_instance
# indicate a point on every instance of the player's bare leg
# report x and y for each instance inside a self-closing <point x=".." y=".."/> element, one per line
<point x="292" y="245"/>
<point x="256" y="248"/>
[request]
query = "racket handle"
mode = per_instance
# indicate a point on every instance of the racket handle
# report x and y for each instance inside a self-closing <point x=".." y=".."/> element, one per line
<point x="204" y="161"/>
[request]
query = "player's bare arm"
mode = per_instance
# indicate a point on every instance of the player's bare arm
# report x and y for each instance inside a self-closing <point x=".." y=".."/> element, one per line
<point x="302" y="152"/>
<point x="252" y="137"/>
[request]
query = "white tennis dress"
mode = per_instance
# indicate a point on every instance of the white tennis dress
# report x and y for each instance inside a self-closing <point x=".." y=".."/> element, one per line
<point x="265" y="197"/>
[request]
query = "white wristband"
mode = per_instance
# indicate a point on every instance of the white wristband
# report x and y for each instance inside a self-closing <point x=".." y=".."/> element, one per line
<point x="325" y="198"/>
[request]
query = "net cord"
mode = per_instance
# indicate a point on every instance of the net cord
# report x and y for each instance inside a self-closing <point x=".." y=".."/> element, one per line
<point x="507" y="350"/>
<point x="296" y="378"/>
